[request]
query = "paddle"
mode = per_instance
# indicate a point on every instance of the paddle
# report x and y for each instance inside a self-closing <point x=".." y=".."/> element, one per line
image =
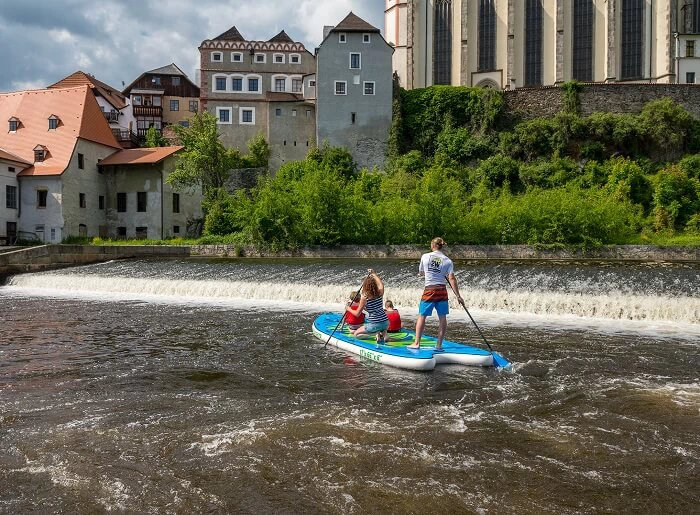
<point x="498" y="360"/>
<point x="343" y="318"/>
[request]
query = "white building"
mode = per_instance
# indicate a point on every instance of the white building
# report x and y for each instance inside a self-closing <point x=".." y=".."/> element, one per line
<point x="10" y="166"/>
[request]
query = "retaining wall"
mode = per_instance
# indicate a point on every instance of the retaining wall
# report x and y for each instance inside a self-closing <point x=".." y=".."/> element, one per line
<point x="47" y="257"/>
<point x="618" y="253"/>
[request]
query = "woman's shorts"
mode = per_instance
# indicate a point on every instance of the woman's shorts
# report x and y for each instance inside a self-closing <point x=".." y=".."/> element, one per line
<point x="376" y="327"/>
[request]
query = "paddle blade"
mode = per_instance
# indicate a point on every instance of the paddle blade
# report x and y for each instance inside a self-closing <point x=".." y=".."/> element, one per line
<point x="499" y="361"/>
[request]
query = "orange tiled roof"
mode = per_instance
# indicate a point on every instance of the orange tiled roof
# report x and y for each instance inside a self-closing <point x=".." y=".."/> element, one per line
<point x="79" y="78"/>
<point x="140" y="156"/>
<point x="8" y="156"/>
<point x="79" y="117"/>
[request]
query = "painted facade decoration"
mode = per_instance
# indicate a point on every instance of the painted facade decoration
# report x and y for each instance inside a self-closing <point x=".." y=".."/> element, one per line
<point x="519" y="43"/>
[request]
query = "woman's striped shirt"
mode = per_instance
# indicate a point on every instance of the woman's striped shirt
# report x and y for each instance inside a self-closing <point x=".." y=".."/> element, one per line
<point x="375" y="310"/>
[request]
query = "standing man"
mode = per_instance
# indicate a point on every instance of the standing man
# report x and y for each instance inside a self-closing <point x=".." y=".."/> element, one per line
<point x="435" y="266"/>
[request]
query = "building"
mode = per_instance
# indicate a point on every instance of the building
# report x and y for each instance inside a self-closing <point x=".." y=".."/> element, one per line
<point x="10" y="166"/>
<point x="687" y="36"/>
<point x="140" y="203"/>
<point x="353" y="90"/>
<point x="114" y="105"/>
<point x="516" y="43"/>
<point x="257" y="87"/>
<point x="161" y="97"/>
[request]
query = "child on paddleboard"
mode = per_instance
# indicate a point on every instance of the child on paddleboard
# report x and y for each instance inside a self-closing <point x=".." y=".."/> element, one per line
<point x="393" y="316"/>
<point x="372" y="301"/>
<point x="354" y="322"/>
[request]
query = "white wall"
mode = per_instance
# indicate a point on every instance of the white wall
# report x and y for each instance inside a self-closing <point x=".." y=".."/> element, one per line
<point x="7" y="178"/>
<point x="51" y="217"/>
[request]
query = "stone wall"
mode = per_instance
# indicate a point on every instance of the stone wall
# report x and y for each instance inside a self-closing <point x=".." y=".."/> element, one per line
<point x="618" y="253"/>
<point x="614" y="98"/>
<point x="244" y="178"/>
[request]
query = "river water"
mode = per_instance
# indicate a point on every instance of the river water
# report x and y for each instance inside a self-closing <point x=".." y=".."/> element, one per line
<point x="196" y="385"/>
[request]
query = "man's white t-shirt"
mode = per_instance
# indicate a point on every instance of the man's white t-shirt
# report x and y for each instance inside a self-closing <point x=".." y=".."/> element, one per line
<point x="435" y="265"/>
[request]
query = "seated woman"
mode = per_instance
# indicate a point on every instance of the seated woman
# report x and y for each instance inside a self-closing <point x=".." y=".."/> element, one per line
<point x="372" y="301"/>
<point x="393" y="316"/>
<point x="353" y="321"/>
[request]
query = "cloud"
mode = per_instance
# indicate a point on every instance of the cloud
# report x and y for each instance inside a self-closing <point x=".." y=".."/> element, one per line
<point x="117" y="40"/>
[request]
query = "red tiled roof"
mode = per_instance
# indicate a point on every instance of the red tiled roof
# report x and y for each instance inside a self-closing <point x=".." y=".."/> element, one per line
<point x="8" y="156"/>
<point x="140" y="156"/>
<point x="79" y="78"/>
<point x="79" y="117"/>
<point x="353" y="23"/>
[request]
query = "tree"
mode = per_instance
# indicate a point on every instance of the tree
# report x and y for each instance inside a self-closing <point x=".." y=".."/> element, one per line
<point x="154" y="138"/>
<point x="204" y="161"/>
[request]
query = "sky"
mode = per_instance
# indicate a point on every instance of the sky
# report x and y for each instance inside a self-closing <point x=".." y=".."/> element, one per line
<point x="117" y="40"/>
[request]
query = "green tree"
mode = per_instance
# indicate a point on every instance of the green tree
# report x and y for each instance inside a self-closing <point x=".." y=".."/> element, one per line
<point x="154" y="138"/>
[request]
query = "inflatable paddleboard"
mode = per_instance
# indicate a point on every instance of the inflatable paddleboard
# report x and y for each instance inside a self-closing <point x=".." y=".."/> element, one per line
<point x="395" y="352"/>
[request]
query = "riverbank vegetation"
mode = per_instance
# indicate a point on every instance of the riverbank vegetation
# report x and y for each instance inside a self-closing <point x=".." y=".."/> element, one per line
<point x="461" y="168"/>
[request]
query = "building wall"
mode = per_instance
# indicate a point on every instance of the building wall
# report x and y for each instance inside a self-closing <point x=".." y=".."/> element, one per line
<point x="366" y="139"/>
<point x="290" y="137"/>
<point x="51" y="217"/>
<point x="8" y="178"/>
<point x="688" y="63"/>
<point x="183" y="114"/>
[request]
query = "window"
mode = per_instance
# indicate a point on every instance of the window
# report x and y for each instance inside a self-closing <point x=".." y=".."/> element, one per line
<point x="442" y="42"/>
<point x="236" y="57"/>
<point x="217" y="57"/>
<point x="246" y="116"/>
<point x="176" y="229"/>
<point x="223" y="114"/>
<point x="280" y="84"/>
<point x="278" y="112"/>
<point x="312" y="83"/>
<point x="175" y="81"/>
<point x="174" y="105"/>
<point x="156" y="81"/>
<point x="342" y="38"/>
<point x="11" y="169"/>
<point x="253" y="84"/>
<point x="583" y="40"/>
<point x="11" y="197"/>
<point x="141" y="201"/>
<point x="690" y="77"/>
<point x="137" y="100"/>
<point x="632" y="34"/>
<point x="294" y="112"/>
<point x="237" y="84"/>
<point x="341" y="87"/>
<point x="176" y="202"/>
<point x="533" y="43"/>
<point x="690" y="48"/>
<point x="297" y="85"/>
<point x="53" y="123"/>
<point x="366" y="38"/>
<point x="295" y="58"/>
<point x="101" y="202"/>
<point x="39" y="155"/>
<point x="355" y="61"/>
<point x="260" y="58"/>
<point x="83" y="202"/>
<point x="14" y="123"/>
<point x="41" y="196"/>
<point x="308" y="113"/>
<point x="141" y="233"/>
<point x="369" y="88"/>
<point x="121" y="202"/>
<point x="121" y="232"/>
<point x="487" y="35"/>
<point x="220" y="84"/>
<point x="353" y="118"/>
<point x="81" y="161"/>
<point x="194" y="106"/>
<point x="278" y="58"/>
<point x="53" y="233"/>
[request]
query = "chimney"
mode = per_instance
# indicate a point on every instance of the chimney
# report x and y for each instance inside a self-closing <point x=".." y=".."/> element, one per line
<point x="327" y="30"/>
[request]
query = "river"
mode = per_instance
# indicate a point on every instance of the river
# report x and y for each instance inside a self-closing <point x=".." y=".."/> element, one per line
<point x="196" y="385"/>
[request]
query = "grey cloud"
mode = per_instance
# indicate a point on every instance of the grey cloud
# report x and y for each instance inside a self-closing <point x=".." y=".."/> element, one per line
<point x="117" y="40"/>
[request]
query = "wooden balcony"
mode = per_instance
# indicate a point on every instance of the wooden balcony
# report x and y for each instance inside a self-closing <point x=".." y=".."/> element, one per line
<point x="126" y="138"/>
<point x="151" y="111"/>
<point x="141" y="133"/>
<point x="112" y="116"/>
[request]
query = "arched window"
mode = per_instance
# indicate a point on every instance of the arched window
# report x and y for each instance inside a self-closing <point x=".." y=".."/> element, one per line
<point x="487" y="35"/>
<point x="442" y="42"/>
<point x="533" y="42"/>
<point x="583" y="40"/>
<point x="632" y="34"/>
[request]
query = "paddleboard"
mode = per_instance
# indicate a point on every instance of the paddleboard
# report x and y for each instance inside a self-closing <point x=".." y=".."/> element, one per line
<point x="395" y="352"/>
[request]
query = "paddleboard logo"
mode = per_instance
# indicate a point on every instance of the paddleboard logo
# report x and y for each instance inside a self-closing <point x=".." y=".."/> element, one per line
<point x="435" y="264"/>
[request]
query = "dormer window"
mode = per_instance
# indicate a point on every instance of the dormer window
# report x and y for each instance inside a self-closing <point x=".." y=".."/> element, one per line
<point x="53" y="122"/>
<point x="14" y="124"/>
<point x="40" y="153"/>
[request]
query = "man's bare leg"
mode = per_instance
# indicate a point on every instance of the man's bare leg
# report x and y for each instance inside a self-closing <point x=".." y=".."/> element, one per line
<point x="420" y="326"/>
<point x="442" y="329"/>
